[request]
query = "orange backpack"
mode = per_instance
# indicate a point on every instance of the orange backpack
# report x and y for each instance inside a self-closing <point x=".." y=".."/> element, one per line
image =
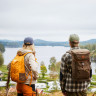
<point x="17" y="71"/>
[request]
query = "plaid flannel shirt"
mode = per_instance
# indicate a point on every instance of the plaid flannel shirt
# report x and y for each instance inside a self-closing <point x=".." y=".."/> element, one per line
<point x="66" y="82"/>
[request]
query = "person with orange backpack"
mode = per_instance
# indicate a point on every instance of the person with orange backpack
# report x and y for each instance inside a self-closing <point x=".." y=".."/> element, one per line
<point x="23" y="69"/>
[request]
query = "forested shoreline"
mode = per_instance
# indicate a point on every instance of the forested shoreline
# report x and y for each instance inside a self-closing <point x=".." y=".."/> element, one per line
<point x="39" y="42"/>
<point x="92" y="48"/>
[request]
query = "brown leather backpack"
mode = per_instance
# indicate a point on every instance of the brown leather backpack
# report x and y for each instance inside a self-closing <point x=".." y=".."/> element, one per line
<point x="80" y="64"/>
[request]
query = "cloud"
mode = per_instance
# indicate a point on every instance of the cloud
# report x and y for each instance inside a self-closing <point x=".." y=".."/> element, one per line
<point x="61" y="35"/>
<point x="47" y="19"/>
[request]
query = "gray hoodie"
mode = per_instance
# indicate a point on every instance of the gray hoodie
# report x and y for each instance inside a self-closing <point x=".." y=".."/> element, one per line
<point x="30" y="62"/>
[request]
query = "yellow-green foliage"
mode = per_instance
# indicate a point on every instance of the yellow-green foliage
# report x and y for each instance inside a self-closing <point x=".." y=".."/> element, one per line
<point x="93" y="83"/>
<point x="43" y="69"/>
<point x="2" y="48"/>
<point x="3" y="68"/>
<point x="1" y="59"/>
<point x="94" y="77"/>
<point x="93" y="54"/>
<point x="90" y="47"/>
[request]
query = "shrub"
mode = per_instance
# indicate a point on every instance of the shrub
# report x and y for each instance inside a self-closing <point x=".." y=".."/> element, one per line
<point x="1" y="59"/>
<point x="2" y="48"/>
<point x="94" y="77"/>
<point x="93" y="83"/>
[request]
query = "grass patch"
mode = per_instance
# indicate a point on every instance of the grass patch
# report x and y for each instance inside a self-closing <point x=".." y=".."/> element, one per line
<point x="2" y="88"/>
<point x="40" y="81"/>
<point x="93" y="83"/>
<point x="91" y="87"/>
<point x="3" y="68"/>
<point x="94" y="77"/>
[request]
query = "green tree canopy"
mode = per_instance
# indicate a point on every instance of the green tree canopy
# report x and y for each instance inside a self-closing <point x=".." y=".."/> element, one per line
<point x="2" y="48"/>
<point x="52" y="60"/>
<point x="90" y="47"/>
<point x="58" y="66"/>
<point x="43" y="69"/>
<point x="1" y="59"/>
<point x="52" y="66"/>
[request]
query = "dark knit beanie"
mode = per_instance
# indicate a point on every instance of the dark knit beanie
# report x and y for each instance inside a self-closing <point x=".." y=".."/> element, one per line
<point x="28" y="41"/>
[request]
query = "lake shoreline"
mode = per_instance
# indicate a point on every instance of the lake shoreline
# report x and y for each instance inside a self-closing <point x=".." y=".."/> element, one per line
<point x="43" y="53"/>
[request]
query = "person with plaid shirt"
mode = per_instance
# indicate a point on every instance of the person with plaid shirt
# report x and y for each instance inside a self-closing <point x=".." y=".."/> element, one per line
<point x="68" y="86"/>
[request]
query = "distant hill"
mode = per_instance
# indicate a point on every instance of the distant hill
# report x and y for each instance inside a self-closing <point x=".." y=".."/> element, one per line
<point x="39" y="42"/>
<point x="91" y="41"/>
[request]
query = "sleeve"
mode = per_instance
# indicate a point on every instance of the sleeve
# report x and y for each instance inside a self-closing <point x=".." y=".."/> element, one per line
<point x="34" y="66"/>
<point x="63" y="70"/>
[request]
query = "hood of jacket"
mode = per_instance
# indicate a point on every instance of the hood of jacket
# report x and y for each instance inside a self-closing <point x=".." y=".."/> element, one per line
<point x="21" y="52"/>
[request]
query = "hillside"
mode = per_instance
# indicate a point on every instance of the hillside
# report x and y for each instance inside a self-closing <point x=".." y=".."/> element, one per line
<point x="39" y="42"/>
<point x="91" y="41"/>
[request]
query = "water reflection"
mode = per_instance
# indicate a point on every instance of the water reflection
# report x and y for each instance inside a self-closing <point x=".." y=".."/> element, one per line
<point x="93" y="64"/>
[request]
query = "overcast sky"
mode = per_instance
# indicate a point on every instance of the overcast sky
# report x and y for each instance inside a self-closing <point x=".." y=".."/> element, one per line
<point x="52" y="20"/>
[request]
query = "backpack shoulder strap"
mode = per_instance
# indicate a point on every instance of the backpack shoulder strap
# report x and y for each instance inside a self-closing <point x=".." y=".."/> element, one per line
<point x="69" y="69"/>
<point x="26" y="53"/>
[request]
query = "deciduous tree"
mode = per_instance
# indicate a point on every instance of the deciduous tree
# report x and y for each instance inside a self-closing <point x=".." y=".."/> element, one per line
<point x="43" y="69"/>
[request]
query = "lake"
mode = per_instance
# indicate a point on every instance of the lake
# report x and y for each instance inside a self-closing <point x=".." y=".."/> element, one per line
<point x="43" y="53"/>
